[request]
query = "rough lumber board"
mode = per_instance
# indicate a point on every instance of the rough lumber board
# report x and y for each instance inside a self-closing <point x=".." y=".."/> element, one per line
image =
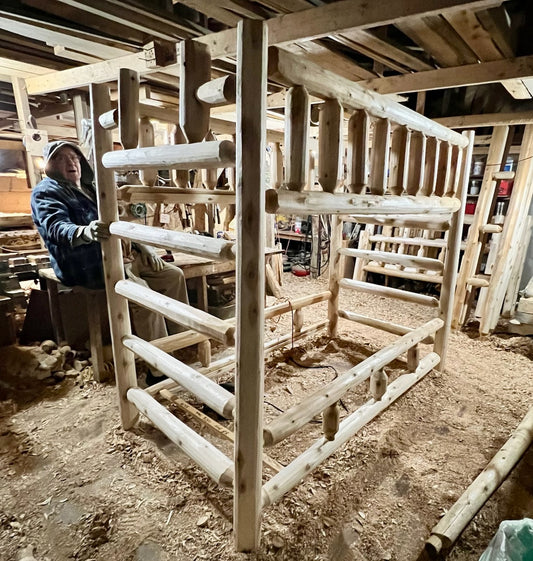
<point x="368" y="44"/>
<point x="307" y="24"/>
<point x="480" y="41"/>
<point x="439" y="39"/>
<point x="487" y="120"/>
<point x="467" y="75"/>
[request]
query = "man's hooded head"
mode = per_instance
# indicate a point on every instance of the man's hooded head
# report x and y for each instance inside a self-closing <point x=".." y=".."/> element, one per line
<point x="63" y="160"/>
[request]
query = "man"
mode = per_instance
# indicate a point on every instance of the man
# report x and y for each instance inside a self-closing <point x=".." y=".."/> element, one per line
<point x="65" y="213"/>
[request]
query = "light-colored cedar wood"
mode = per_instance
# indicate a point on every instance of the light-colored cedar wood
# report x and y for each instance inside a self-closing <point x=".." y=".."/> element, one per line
<point x="128" y="107"/>
<point x="431" y="166"/>
<point x="215" y="396"/>
<point x="380" y="156"/>
<point x="363" y="244"/>
<point x="451" y="260"/>
<point x="250" y="163"/>
<point x="178" y="312"/>
<point x="306" y="462"/>
<point x="399" y="159"/>
<point x="171" y="195"/>
<point x="217" y="92"/>
<point x="394" y="258"/>
<point x="147" y="173"/>
<point x="109" y="120"/>
<point x="403" y="273"/>
<point x="319" y="202"/>
<point x="218" y="429"/>
<point x="95" y="334"/>
<point x="478" y="281"/>
<point x="220" y="153"/>
<point x="277" y="166"/>
<point x="413" y="358"/>
<point x="405" y="295"/>
<point x="452" y="524"/>
<point x="378" y="383"/>
<point x="119" y="318"/>
<point x="457" y="162"/>
<point x="272" y="282"/>
<point x="296" y="138"/>
<point x="290" y="70"/>
<point x="330" y="150"/>
<point x="417" y="158"/>
<point x="174" y="239"/>
<point x="387" y="326"/>
<point x="218" y="466"/>
<point x="180" y="177"/>
<point x="298" y="415"/>
<point x="195" y="70"/>
<point x="81" y="111"/>
<point x="474" y="242"/>
<point x="444" y="169"/>
<point x="330" y="421"/>
<point x="420" y="221"/>
<point x="204" y="352"/>
<point x="512" y="236"/>
<point x="487" y="120"/>
<point x="358" y="158"/>
<point x="335" y="274"/>
<point x="412" y="241"/>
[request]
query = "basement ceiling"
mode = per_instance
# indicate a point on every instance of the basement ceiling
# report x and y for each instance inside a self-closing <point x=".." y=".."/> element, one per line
<point x="470" y="57"/>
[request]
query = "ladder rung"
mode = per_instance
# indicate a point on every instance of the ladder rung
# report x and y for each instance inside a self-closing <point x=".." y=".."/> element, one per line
<point x="422" y="242"/>
<point x="394" y="258"/>
<point x="379" y="290"/>
<point x="479" y="281"/>
<point x="178" y="312"/>
<point x="212" y="154"/>
<point x="403" y="274"/>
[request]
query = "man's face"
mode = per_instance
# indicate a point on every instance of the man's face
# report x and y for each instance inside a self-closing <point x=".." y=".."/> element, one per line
<point x="66" y="164"/>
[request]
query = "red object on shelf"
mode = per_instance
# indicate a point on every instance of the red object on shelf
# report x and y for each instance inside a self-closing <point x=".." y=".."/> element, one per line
<point x="505" y="187"/>
<point x="470" y="208"/>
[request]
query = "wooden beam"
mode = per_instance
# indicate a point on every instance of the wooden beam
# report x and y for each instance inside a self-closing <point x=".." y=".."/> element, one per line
<point x="487" y="120"/>
<point x="466" y="75"/>
<point x="250" y="162"/>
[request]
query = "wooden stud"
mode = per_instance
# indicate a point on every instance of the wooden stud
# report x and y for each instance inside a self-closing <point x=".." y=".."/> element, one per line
<point x="431" y="166"/>
<point x="380" y="156"/>
<point x="277" y="165"/>
<point x="330" y="145"/>
<point x="399" y="159"/>
<point x="180" y="177"/>
<point x="444" y="169"/>
<point x="417" y="158"/>
<point x="128" y="108"/>
<point x="195" y="70"/>
<point x="296" y="137"/>
<point x="358" y="152"/>
<point x="148" y="173"/>
<point x="251" y="137"/>
<point x="335" y="274"/>
<point x="119" y="318"/>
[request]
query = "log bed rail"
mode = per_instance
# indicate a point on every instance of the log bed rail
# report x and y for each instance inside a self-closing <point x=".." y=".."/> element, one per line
<point x="402" y="170"/>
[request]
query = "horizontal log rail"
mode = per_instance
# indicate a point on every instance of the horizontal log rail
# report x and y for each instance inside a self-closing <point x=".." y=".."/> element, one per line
<point x="420" y="221"/>
<point x="421" y="242"/>
<point x="218" y="466"/>
<point x="306" y="462"/>
<point x="403" y="273"/>
<point x="220" y="400"/>
<point x="297" y="416"/>
<point x="213" y="154"/>
<point x="178" y="312"/>
<point x="174" y="195"/>
<point x="292" y="70"/>
<point x="379" y="290"/>
<point x="394" y="258"/>
<point x="383" y="325"/>
<point x="321" y="202"/>
<point x="173" y="239"/>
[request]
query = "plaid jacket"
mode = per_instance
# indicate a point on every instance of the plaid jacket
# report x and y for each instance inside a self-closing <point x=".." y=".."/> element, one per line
<point x="58" y="208"/>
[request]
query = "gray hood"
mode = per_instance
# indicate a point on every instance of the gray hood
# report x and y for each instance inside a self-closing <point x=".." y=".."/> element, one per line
<point x="87" y="174"/>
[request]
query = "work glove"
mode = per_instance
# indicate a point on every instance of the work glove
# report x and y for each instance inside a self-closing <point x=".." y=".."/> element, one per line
<point x="95" y="231"/>
<point x="149" y="257"/>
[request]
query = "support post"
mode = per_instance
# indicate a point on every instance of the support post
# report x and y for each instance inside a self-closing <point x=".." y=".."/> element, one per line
<point x="251" y="135"/>
<point x="117" y="306"/>
<point x="335" y="274"/>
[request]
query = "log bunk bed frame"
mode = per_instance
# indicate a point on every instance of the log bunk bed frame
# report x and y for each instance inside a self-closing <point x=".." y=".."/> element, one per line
<point x="416" y="174"/>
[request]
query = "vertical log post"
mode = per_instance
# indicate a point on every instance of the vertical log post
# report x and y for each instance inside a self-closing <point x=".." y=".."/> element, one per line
<point x="417" y="158"/>
<point x="444" y="169"/>
<point x="147" y="138"/>
<point x="431" y="166"/>
<point x="251" y="134"/>
<point x="209" y="179"/>
<point x="277" y="165"/>
<point x="195" y="70"/>
<point x="358" y="151"/>
<point x="380" y="156"/>
<point x="128" y="108"/>
<point x="180" y="177"/>
<point x="335" y="274"/>
<point x="117" y="306"/>
<point x="449" y="276"/>
<point x="330" y="145"/>
<point x="399" y="159"/>
<point x="296" y="137"/>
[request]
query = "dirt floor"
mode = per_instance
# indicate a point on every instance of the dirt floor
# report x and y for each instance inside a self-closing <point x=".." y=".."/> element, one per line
<point x="78" y="487"/>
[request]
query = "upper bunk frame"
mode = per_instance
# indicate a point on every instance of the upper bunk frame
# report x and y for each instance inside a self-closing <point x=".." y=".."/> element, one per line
<point x="416" y="174"/>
